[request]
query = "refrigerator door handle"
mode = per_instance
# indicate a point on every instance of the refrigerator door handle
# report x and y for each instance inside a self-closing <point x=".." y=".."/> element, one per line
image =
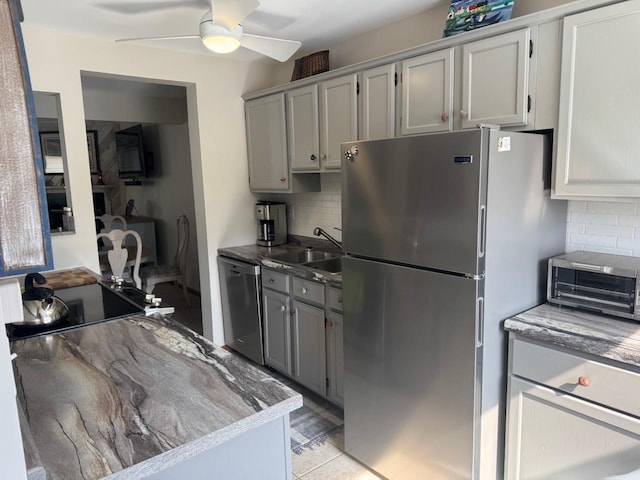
<point x="479" y="321"/>
<point x="483" y="230"/>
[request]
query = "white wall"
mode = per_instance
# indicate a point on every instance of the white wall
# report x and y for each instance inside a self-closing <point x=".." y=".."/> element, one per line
<point x="223" y="204"/>
<point x="407" y="33"/>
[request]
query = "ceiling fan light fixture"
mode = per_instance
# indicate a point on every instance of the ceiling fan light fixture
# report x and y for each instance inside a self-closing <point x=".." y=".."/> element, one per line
<point x="218" y="39"/>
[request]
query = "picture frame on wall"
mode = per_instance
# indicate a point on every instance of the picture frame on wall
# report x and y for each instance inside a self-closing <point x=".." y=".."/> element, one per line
<point x="468" y="15"/>
<point x="52" y="152"/>
<point x="92" y="146"/>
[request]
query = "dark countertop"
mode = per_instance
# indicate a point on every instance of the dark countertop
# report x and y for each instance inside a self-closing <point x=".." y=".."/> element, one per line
<point x="130" y="397"/>
<point x="264" y="256"/>
<point x="609" y="337"/>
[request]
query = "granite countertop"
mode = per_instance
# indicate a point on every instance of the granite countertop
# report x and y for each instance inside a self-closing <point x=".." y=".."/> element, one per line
<point x="264" y="256"/>
<point x="605" y="336"/>
<point x="129" y="397"/>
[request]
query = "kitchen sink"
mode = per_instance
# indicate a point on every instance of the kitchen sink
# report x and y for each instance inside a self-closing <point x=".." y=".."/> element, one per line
<point x="331" y="265"/>
<point x="304" y="256"/>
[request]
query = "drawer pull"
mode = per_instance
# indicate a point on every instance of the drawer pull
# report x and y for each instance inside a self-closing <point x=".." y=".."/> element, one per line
<point x="583" y="381"/>
<point x="271" y="280"/>
<point x="304" y="290"/>
<point x="283" y="308"/>
<point x="340" y="300"/>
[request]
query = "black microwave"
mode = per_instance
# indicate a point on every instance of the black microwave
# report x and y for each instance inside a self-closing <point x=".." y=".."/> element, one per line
<point x="600" y="282"/>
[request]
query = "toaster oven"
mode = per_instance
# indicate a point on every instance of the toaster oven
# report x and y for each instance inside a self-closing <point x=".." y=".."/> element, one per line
<point x="596" y="281"/>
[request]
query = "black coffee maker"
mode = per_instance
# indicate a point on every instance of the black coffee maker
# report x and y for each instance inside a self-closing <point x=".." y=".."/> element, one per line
<point x="272" y="223"/>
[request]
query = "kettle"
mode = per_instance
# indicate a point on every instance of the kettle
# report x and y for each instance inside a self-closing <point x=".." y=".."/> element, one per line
<point x="40" y="305"/>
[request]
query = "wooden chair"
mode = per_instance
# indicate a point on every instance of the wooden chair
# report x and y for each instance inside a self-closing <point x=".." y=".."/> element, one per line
<point x="177" y="272"/>
<point x="118" y="256"/>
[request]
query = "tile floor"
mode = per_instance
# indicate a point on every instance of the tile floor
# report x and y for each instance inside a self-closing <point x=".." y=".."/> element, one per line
<point x="319" y="458"/>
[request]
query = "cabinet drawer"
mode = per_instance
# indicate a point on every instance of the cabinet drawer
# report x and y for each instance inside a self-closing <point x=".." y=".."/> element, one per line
<point x="608" y="385"/>
<point x="334" y="298"/>
<point x="275" y="280"/>
<point x="308" y="291"/>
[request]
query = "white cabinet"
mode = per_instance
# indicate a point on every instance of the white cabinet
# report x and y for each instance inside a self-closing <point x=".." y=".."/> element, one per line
<point x="493" y="78"/>
<point x="569" y="416"/>
<point x="598" y="147"/>
<point x="321" y="117"/>
<point x="377" y="102"/>
<point x="427" y="93"/>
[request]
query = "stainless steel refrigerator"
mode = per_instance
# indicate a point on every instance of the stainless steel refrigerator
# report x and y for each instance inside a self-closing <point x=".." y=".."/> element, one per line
<point x="445" y="235"/>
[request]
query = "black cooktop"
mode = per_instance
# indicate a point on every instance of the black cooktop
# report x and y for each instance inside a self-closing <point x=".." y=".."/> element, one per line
<point x="87" y="304"/>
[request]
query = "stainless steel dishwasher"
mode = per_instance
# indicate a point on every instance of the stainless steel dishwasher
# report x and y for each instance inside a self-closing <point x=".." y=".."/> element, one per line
<point x="241" y="307"/>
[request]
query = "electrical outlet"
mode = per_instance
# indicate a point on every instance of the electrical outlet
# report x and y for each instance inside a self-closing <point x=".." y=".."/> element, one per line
<point x="292" y="213"/>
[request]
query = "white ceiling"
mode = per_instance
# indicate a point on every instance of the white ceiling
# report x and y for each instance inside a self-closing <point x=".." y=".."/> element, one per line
<point x="316" y="23"/>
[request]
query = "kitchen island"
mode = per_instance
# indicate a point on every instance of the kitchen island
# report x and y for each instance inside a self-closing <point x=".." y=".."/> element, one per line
<point x="144" y="397"/>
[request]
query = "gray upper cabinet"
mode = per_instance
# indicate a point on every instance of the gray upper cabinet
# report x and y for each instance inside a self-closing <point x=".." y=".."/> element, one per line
<point x="427" y="93"/>
<point x="598" y="147"/>
<point x="493" y="77"/>
<point x="377" y="103"/>
<point x="321" y="117"/>
<point x="25" y="240"/>
<point x="267" y="143"/>
<point x="304" y="134"/>
<point x="267" y="148"/>
<point x="339" y="118"/>
<point x="495" y="80"/>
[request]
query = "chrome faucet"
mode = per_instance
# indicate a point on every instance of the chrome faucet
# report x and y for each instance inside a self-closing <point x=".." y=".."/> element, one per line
<point x="319" y="231"/>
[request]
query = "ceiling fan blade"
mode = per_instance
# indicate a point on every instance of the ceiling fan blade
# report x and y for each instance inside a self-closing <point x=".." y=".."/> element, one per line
<point x="132" y="8"/>
<point x="229" y="13"/>
<point x="175" y="37"/>
<point x="276" y="48"/>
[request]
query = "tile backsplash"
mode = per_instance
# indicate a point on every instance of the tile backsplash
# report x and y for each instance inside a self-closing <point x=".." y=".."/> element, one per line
<point x="310" y="210"/>
<point x="607" y="227"/>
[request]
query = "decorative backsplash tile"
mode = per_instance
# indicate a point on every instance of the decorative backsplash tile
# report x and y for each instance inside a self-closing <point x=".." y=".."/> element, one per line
<point x="607" y="227"/>
<point x="310" y="210"/>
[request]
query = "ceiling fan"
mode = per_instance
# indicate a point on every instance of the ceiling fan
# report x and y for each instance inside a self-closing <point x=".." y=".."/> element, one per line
<point x="220" y="28"/>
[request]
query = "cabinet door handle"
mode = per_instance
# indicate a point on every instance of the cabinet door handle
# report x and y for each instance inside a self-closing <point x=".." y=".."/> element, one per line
<point x="444" y="117"/>
<point x="283" y="308"/>
<point x="283" y="179"/>
<point x="312" y="157"/>
<point x="583" y="381"/>
<point x="463" y="114"/>
<point x="323" y="156"/>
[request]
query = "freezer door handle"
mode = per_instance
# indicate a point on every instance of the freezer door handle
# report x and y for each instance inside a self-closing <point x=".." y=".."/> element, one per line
<point x="483" y="229"/>
<point x="479" y="321"/>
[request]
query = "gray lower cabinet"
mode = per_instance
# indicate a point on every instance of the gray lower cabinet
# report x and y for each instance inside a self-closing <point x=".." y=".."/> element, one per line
<point x="570" y="416"/>
<point x="335" y="346"/>
<point x="277" y="330"/>
<point x="335" y="358"/>
<point x="303" y="332"/>
<point x="308" y="339"/>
